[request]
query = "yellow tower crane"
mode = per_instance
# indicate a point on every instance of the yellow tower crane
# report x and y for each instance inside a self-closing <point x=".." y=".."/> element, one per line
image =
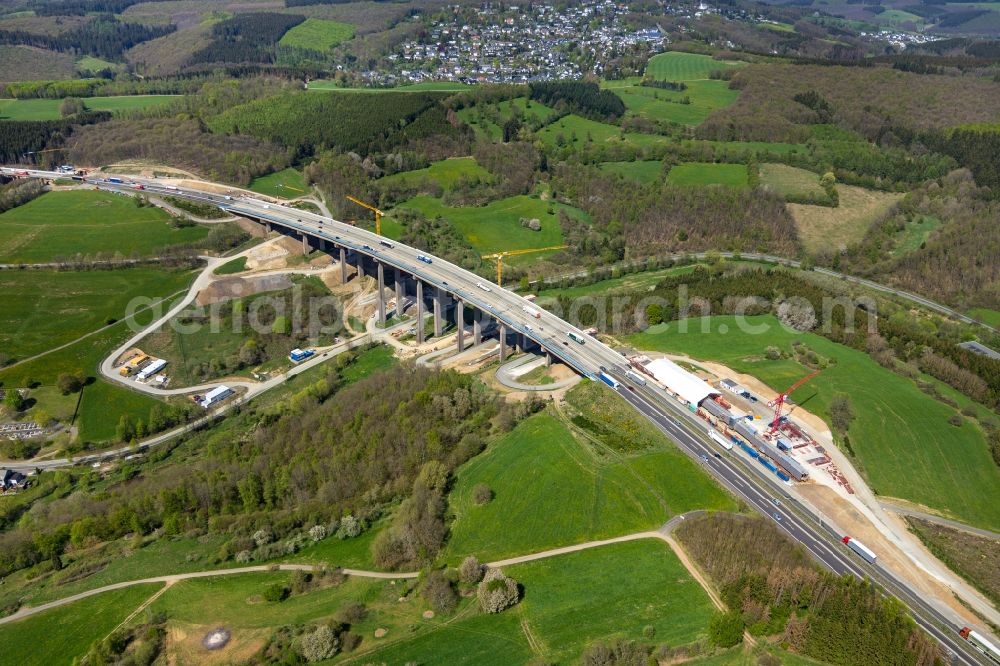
<point x="513" y="253"/>
<point x="378" y="213"/>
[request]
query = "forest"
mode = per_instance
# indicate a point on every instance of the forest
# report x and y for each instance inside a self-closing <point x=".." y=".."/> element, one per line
<point x="580" y="97"/>
<point x="103" y="37"/>
<point x="247" y="38"/>
<point x="19" y="137"/>
<point x="309" y="460"/>
<point x="771" y="586"/>
<point x="81" y="7"/>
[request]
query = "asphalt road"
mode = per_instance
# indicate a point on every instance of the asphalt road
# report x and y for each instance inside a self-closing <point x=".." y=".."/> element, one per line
<point x="589" y="359"/>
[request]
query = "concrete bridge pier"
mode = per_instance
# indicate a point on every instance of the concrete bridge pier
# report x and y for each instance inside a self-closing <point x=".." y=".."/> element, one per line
<point x="438" y="309"/>
<point x="420" y="312"/>
<point x="343" y="265"/>
<point x="400" y="292"/>
<point x="306" y="244"/>
<point x="503" y="342"/>
<point x="267" y="227"/>
<point x="548" y="359"/>
<point x="460" y="320"/>
<point x="361" y="264"/>
<point x="477" y="327"/>
<point x="381" y="293"/>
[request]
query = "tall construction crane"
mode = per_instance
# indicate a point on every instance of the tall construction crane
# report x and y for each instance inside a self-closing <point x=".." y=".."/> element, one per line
<point x="378" y="213"/>
<point x="498" y="256"/>
<point x="779" y="402"/>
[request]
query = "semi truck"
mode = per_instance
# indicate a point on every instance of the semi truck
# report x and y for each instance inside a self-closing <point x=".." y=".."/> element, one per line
<point x="532" y="312"/>
<point x="115" y="180"/>
<point x="981" y="643"/>
<point x="576" y="338"/>
<point x="634" y="376"/>
<point x="609" y="380"/>
<point x="861" y="549"/>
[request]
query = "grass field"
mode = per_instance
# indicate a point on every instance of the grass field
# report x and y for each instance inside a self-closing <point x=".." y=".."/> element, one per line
<point x="644" y="171"/>
<point x="529" y="110"/>
<point x="58" y="635"/>
<point x="679" y="66"/>
<point x="914" y="234"/>
<point x="703" y="98"/>
<point x="285" y="184"/>
<point x="318" y="35"/>
<point x="824" y="228"/>
<point x="444" y="172"/>
<point x="48" y="109"/>
<point x="497" y="226"/>
<point x="237" y="265"/>
<point x="64" y="224"/>
<point x="987" y="316"/>
<point x="902" y="439"/>
<point x="553" y="488"/>
<point x="573" y="130"/>
<point x="789" y="181"/>
<point x="44" y="309"/>
<point x="702" y="173"/>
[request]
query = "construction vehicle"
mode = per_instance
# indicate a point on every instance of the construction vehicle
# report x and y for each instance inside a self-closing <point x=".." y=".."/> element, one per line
<point x="779" y="402"/>
<point x="378" y="213"/>
<point x="498" y="256"/>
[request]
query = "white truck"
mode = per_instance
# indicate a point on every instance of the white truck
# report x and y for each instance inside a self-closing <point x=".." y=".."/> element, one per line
<point x="532" y="312"/>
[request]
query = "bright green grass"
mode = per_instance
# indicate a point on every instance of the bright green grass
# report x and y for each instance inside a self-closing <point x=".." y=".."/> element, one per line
<point x="59" y="635"/>
<point x="553" y="490"/>
<point x="317" y="35"/>
<point x="678" y="66"/>
<point x="914" y="234"/>
<point x="529" y="109"/>
<point x="903" y="441"/>
<point x="237" y="265"/>
<point x="987" y="316"/>
<point x="443" y="172"/>
<point x="611" y="591"/>
<point x="48" y="109"/>
<point x="644" y="171"/>
<point x="103" y="404"/>
<point x="64" y="224"/>
<point x="702" y="173"/>
<point x="91" y="65"/>
<point x="285" y="184"/>
<point x="497" y="226"/>
<point x="44" y="309"/>
<point x="655" y="104"/>
<point x="790" y="181"/>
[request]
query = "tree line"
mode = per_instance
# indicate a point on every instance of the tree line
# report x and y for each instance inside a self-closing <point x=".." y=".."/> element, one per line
<point x="772" y="587"/>
<point x="104" y="37"/>
<point x="584" y="98"/>
<point x="20" y="137"/>
<point x="247" y="38"/>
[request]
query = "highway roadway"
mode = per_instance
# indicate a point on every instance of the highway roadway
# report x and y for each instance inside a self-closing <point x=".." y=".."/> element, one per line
<point x="589" y="359"/>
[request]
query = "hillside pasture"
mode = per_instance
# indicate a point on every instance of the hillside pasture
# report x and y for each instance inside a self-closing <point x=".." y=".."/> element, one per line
<point x="790" y="181"/>
<point x="318" y="35"/>
<point x="48" y="109"/>
<point x="687" y="107"/>
<point x="285" y="184"/>
<point x="680" y="66"/>
<point x="573" y="130"/>
<point x="901" y="437"/>
<point x="86" y="222"/>
<point x="824" y="228"/>
<point x="443" y="172"/>
<point x="701" y="173"/>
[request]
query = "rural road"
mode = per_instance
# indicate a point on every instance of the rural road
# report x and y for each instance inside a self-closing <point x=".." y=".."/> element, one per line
<point x="931" y="518"/>
<point x="662" y="534"/>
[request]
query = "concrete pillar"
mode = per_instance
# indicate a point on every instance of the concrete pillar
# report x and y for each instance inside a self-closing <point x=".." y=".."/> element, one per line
<point x="460" y="320"/>
<point x="361" y="264"/>
<point x="381" y="294"/>
<point x="306" y="244"/>
<point x="503" y="343"/>
<point x="399" y="293"/>
<point x="477" y="327"/>
<point x="420" y="312"/>
<point x="438" y="319"/>
<point x="343" y="265"/>
<point x="548" y="359"/>
<point x="267" y="227"/>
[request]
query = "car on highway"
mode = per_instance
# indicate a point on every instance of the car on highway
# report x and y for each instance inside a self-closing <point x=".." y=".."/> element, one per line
<point x="483" y="286"/>
<point x="717" y="455"/>
<point x="776" y="516"/>
<point x="703" y="457"/>
<point x="368" y="247"/>
<point x="386" y="244"/>
<point x="776" y="501"/>
<point x="425" y="259"/>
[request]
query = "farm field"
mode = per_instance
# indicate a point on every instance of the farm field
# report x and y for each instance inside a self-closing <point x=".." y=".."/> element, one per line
<point x="701" y="173"/>
<point x="34" y="640"/>
<point x="790" y="181"/>
<point x="643" y="171"/>
<point x="497" y="226"/>
<point x="65" y="224"/>
<point x="703" y="97"/>
<point x="824" y="228"/>
<point x="318" y="35"/>
<point x="44" y="309"/>
<point x="556" y="488"/>
<point x="679" y="66"/>
<point x="903" y="442"/>
<point x="48" y="109"/>
<point x="285" y="184"/>
<point x="443" y="172"/>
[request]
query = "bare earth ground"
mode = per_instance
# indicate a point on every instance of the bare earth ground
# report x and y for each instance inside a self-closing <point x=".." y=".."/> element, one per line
<point x="823" y="228"/>
<point x="184" y="644"/>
